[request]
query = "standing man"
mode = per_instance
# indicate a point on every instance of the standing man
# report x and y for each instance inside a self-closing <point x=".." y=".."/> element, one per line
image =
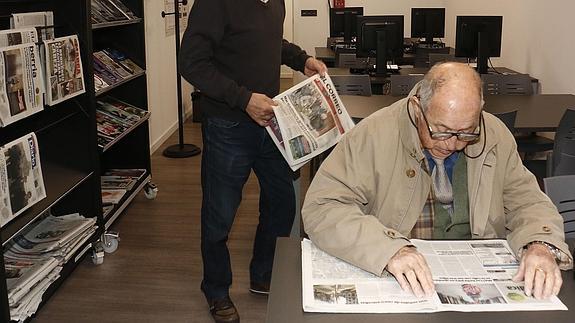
<point x="232" y="51"/>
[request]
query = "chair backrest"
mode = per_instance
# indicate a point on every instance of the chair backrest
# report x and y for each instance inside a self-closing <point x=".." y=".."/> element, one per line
<point x="508" y="119"/>
<point x="519" y="84"/>
<point x="402" y="84"/>
<point x="564" y="145"/>
<point x="353" y="84"/>
<point x="560" y="191"/>
<point x="435" y="58"/>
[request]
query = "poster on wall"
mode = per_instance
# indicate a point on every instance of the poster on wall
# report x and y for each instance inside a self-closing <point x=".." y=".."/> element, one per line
<point x="169" y="19"/>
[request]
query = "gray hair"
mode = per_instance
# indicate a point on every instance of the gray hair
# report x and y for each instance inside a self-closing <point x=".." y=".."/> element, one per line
<point x="437" y="77"/>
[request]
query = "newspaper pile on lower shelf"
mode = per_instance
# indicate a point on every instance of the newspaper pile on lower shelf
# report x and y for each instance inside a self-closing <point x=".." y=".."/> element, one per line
<point x="34" y="259"/>
<point x="309" y="119"/>
<point x="469" y="276"/>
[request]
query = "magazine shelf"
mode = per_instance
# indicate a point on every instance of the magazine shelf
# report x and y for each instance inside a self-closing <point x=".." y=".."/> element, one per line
<point x="66" y="132"/>
<point x="120" y="83"/>
<point x="116" y="23"/>
<point x="125" y="201"/>
<point x="126" y="133"/>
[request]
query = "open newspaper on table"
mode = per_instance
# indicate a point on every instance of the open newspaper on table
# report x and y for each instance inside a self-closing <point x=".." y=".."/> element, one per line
<point x="309" y="119"/>
<point x="469" y="276"/>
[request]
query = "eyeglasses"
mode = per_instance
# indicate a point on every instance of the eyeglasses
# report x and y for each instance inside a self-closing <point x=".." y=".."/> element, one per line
<point x="445" y="135"/>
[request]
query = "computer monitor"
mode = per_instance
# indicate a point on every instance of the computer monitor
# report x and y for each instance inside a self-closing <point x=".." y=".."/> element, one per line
<point x="478" y="37"/>
<point x="342" y="22"/>
<point x="428" y="23"/>
<point x="380" y="37"/>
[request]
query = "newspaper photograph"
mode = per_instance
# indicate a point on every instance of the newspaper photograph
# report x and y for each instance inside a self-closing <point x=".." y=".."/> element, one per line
<point x="21" y="83"/>
<point x="23" y="176"/>
<point x="44" y="20"/>
<point x="64" y="73"/>
<point x="309" y="118"/>
<point x="11" y="37"/>
<point x="469" y="276"/>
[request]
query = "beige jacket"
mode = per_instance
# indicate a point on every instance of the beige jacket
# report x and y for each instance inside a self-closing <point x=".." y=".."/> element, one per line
<point x="369" y="192"/>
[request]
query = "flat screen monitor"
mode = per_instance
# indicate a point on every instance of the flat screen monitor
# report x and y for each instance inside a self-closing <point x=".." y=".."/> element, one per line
<point x="478" y="37"/>
<point x="428" y="23"/>
<point x="380" y="37"/>
<point x="342" y="22"/>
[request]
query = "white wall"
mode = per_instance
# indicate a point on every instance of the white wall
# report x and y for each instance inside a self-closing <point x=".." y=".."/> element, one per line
<point x="536" y="37"/>
<point x="161" y="76"/>
<point x="311" y="32"/>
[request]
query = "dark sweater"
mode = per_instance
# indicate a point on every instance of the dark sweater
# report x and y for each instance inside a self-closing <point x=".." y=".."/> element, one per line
<point x="232" y="48"/>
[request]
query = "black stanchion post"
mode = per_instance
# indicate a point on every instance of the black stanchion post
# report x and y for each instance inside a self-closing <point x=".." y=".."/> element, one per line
<point x="181" y="149"/>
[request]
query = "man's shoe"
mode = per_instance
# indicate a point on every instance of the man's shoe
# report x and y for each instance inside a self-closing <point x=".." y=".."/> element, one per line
<point x="224" y="311"/>
<point x="260" y="288"/>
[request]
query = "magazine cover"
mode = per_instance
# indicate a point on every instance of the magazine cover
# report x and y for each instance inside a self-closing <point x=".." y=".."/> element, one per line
<point x="120" y="114"/>
<point x="12" y="37"/>
<point x="24" y="174"/>
<point x="122" y="110"/>
<point x="21" y="84"/>
<point x="64" y="74"/>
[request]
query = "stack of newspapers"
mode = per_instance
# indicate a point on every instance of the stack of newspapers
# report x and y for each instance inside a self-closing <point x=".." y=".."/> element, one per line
<point x="34" y="259"/>
<point x="116" y="183"/>
<point x="35" y="67"/>
<point x="21" y="180"/>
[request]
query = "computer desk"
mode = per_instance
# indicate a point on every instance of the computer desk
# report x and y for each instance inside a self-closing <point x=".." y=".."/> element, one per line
<point x="535" y="113"/>
<point x="285" y="300"/>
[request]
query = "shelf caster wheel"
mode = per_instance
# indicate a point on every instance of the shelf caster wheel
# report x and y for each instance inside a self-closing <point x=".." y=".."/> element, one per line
<point x="151" y="191"/>
<point x="110" y="241"/>
<point x="97" y="254"/>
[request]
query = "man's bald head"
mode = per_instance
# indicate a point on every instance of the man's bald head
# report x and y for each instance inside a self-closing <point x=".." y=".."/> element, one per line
<point x="449" y="76"/>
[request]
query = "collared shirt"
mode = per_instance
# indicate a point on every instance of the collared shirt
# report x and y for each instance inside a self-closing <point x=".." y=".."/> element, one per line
<point x="449" y="163"/>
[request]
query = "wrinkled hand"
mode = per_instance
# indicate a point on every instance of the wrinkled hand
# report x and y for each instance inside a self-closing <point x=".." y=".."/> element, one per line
<point x="261" y="109"/>
<point x="314" y="66"/>
<point x="540" y="272"/>
<point x="411" y="271"/>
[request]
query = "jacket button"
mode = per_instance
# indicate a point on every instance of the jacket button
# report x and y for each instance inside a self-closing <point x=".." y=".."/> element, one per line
<point x="410" y="173"/>
<point x="391" y="233"/>
<point x="546" y="229"/>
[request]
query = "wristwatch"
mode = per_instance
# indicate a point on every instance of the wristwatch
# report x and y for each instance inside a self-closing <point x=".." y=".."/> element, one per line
<point x="554" y="250"/>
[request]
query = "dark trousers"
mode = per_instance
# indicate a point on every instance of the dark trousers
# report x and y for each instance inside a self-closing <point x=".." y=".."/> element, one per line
<point x="230" y="151"/>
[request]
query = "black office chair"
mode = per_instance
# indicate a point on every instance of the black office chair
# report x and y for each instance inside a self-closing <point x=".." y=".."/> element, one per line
<point x="508" y="119"/>
<point x="402" y="84"/>
<point x="560" y="191"/>
<point x="562" y="159"/>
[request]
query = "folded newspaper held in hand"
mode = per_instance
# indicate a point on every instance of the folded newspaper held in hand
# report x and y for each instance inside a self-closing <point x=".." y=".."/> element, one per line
<point x="309" y="119"/>
<point x="469" y="276"/>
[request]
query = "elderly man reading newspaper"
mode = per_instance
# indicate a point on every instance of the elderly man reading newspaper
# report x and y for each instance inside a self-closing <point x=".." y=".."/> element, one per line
<point x="434" y="166"/>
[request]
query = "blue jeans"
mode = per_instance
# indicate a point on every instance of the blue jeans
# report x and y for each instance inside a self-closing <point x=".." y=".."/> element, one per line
<point x="230" y="151"/>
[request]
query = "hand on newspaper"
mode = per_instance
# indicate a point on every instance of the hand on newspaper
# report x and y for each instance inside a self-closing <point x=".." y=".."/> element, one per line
<point x="261" y="109"/>
<point x="314" y="66"/>
<point x="540" y="272"/>
<point x="411" y="271"/>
